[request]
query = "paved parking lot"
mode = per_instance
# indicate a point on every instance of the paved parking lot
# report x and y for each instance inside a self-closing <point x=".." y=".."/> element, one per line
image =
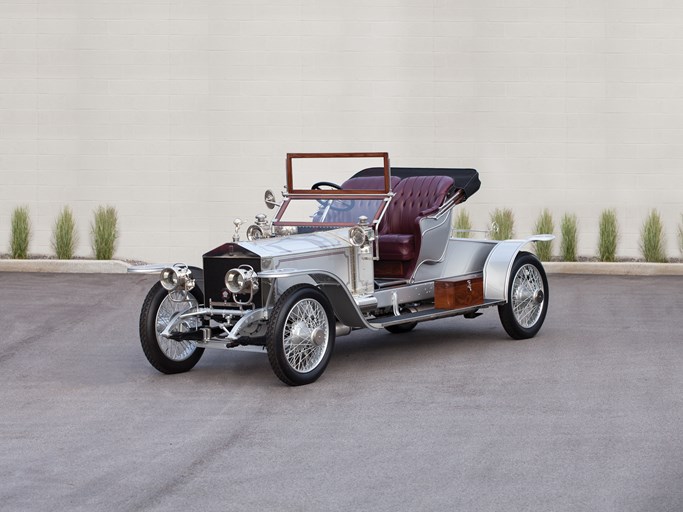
<point x="454" y="416"/>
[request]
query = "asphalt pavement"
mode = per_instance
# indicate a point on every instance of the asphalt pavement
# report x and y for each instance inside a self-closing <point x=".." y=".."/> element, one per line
<point x="453" y="416"/>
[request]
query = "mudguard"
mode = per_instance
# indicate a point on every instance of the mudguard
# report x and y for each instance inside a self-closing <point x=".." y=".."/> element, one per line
<point x="498" y="266"/>
<point x="345" y="307"/>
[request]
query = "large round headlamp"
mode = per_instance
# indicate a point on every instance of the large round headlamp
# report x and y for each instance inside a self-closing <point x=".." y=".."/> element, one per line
<point x="169" y="278"/>
<point x="358" y="236"/>
<point x="255" y="232"/>
<point x="241" y="280"/>
<point x="176" y="278"/>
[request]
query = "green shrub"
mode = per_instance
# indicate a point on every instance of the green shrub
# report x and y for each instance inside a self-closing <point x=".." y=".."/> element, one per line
<point x="569" y="230"/>
<point x="608" y="236"/>
<point x="652" y="238"/>
<point x="20" y="235"/>
<point x="502" y="224"/>
<point x="104" y="232"/>
<point x="463" y="224"/>
<point x="64" y="235"/>
<point x="545" y="226"/>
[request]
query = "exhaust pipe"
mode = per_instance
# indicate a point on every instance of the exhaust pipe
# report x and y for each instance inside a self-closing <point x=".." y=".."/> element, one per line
<point x="341" y="329"/>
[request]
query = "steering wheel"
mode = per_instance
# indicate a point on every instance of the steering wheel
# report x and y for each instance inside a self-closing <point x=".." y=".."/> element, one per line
<point x="319" y="184"/>
<point x="337" y="205"/>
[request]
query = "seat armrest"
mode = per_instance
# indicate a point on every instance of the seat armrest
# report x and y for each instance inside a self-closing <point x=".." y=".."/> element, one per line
<point x="428" y="211"/>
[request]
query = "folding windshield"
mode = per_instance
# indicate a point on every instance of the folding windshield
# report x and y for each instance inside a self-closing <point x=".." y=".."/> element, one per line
<point x="333" y="212"/>
<point x="323" y="193"/>
<point x="325" y="173"/>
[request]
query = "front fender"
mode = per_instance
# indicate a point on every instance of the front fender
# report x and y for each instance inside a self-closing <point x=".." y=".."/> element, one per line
<point x="346" y="309"/>
<point x="498" y="265"/>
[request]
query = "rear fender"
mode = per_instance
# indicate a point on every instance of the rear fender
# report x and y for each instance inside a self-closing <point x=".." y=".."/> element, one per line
<point x="498" y="266"/>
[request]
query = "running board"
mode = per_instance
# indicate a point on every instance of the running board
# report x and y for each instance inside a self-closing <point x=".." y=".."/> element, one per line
<point x="430" y="314"/>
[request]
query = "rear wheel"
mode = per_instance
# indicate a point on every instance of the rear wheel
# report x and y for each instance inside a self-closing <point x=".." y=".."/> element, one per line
<point x="164" y="354"/>
<point x="300" y="335"/>
<point x="523" y="314"/>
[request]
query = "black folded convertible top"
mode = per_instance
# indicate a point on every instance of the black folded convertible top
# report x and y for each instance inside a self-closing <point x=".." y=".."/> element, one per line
<point x="465" y="179"/>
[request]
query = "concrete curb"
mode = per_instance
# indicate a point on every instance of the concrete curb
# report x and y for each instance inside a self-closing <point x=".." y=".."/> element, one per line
<point x="551" y="267"/>
<point x="614" y="269"/>
<point x="65" y="266"/>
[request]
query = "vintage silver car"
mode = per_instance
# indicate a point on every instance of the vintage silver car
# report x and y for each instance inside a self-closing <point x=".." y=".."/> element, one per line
<point x="375" y="251"/>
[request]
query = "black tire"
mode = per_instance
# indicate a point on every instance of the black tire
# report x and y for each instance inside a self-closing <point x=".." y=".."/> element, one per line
<point x="162" y="353"/>
<point x="401" y="328"/>
<point x="524" y="313"/>
<point x="300" y="336"/>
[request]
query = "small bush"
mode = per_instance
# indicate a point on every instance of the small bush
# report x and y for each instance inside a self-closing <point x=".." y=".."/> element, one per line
<point x="545" y="226"/>
<point x="569" y="243"/>
<point x="652" y="238"/>
<point x="20" y="234"/>
<point x="64" y="235"/>
<point x="463" y="224"/>
<point x="608" y="236"/>
<point x="502" y="224"/>
<point x="104" y="232"/>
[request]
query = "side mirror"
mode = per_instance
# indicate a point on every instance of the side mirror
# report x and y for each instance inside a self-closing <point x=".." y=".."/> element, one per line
<point x="269" y="198"/>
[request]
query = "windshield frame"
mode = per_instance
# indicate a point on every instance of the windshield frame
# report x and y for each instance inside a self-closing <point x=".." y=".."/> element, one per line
<point x="308" y="192"/>
<point x="293" y="194"/>
<point x="382" y="198"/>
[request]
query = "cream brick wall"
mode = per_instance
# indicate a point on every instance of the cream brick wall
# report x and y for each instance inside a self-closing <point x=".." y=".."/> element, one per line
<point x="179" y="113"/>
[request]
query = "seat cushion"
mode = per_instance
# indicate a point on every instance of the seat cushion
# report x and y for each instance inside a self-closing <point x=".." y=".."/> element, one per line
<point x="397" y="247"/>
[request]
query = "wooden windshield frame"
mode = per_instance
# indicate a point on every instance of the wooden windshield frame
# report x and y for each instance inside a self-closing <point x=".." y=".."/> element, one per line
<point x="307" y="192"/>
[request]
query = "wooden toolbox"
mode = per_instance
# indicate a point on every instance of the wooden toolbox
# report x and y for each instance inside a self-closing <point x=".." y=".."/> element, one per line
<point x="459" y="292"/>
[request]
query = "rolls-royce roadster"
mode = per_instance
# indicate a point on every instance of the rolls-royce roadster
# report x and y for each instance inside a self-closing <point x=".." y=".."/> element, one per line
<point x="371" y="249"/>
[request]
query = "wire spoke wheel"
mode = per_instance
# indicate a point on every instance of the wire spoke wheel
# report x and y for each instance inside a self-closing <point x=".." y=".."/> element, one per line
<point x="164" y="354"/>
<point x="527" y="295"/>
<point x="306" y="335"/>
<point x="300" y="335"/>
<point x="524" y="313"/>
<point x="176" y="302"/>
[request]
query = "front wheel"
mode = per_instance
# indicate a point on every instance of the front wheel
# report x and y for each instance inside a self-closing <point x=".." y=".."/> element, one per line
<point x="300" y="335"/>
<point x="523" y="314"/>
<point x="164" y="354"/>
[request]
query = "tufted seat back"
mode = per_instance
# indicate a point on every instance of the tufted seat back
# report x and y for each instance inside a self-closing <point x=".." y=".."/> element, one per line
<point x="415" y="197"/>
<point x="399" y="235"/>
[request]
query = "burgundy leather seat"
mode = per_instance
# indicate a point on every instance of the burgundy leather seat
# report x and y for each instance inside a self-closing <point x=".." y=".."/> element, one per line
<point x="415" y="197"/>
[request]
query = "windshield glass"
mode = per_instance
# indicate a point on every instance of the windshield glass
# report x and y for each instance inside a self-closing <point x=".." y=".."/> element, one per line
<point x="330" y="211"/>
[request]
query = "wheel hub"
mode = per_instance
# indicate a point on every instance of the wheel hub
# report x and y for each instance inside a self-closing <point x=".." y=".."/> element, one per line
<point x="300" y="332"/>
<point x="538" y="297"/>
<point x="318" y="336"/>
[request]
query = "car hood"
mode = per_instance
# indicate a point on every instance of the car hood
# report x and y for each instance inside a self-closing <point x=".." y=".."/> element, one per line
<point x="317" y="242"/>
